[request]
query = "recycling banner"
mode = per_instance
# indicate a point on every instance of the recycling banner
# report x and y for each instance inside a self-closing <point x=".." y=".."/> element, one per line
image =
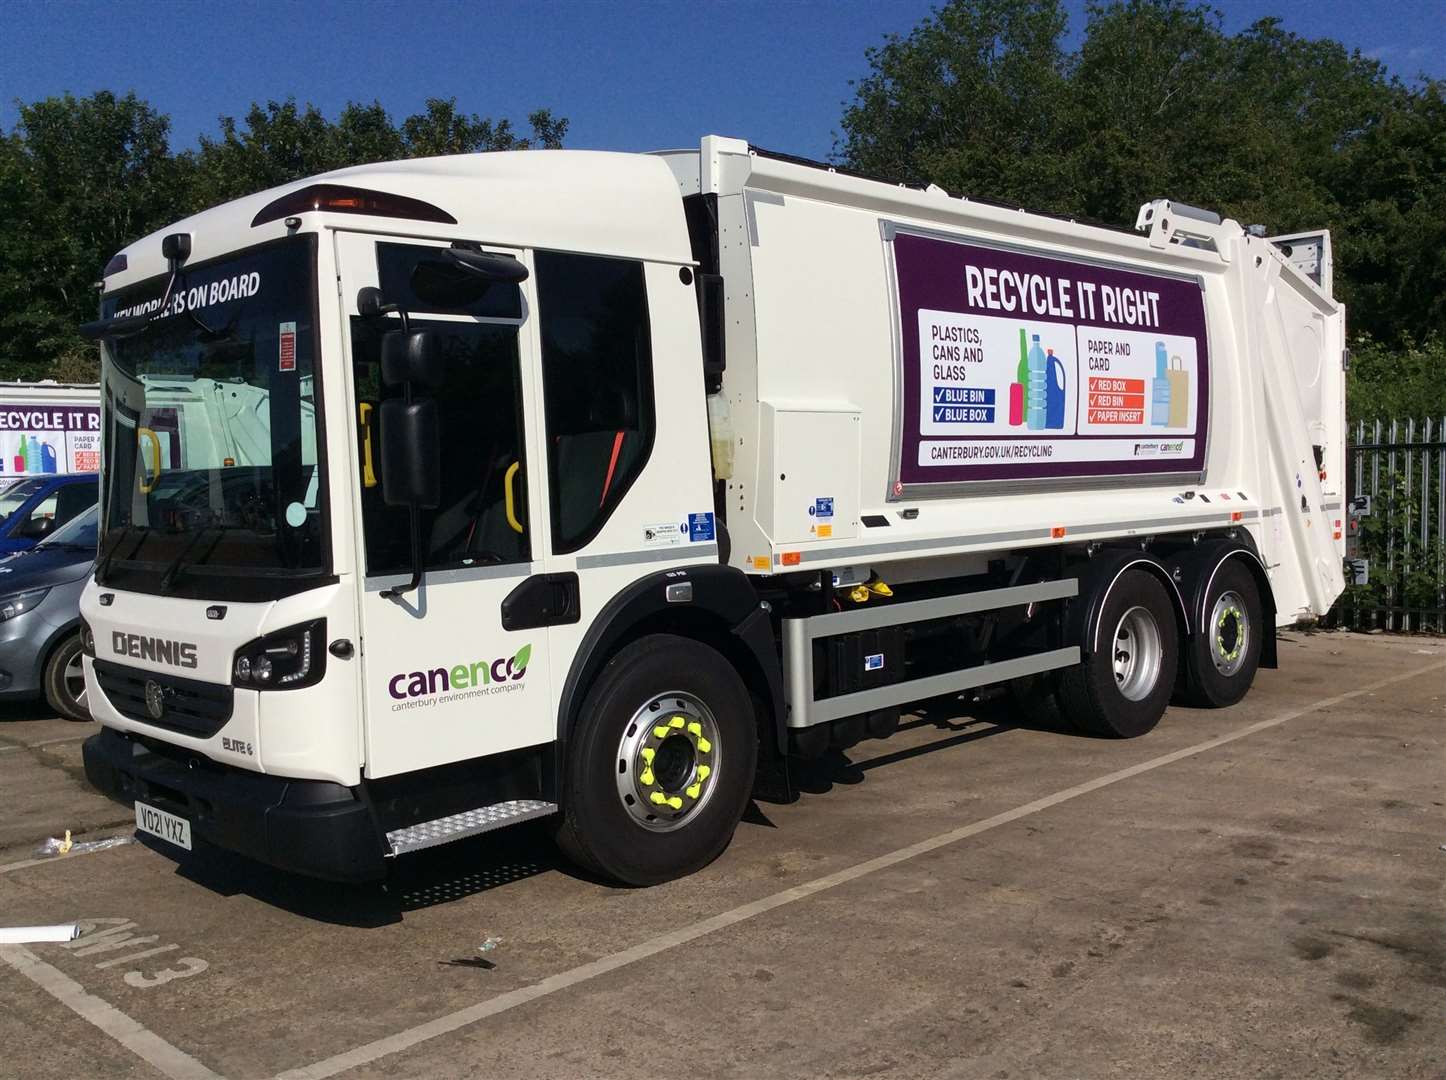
<point x="1028" y="366"/>
<point x="40" y="439"/>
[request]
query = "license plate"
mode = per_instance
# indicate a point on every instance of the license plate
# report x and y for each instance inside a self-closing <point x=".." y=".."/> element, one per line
<point x="169" y="827"/>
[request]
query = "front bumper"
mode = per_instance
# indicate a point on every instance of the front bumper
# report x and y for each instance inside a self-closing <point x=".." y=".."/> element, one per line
<point x="311" y="827"/>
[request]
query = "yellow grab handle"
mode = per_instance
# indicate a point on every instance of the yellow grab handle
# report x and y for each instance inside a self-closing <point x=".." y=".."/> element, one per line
<point x="364" y="413"/>
<point x="147" y="433"/>
<point x="510" y="498"/>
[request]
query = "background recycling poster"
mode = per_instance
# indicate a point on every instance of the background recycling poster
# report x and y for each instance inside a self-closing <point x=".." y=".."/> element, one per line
<point x="39" y="439"/>
<point x="1020" y="365"/>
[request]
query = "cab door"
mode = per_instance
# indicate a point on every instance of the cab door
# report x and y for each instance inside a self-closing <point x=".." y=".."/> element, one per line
<point x="444" y="679"/>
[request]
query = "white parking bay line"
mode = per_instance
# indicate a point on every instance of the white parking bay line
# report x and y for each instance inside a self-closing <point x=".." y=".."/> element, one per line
<point x="144" y="1043"/>
<point x="442" y="1025"/>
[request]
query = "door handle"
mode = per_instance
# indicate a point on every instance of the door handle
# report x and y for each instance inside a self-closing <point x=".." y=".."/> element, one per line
<point x="510" y="498"/>
<point x="542" y="600"/>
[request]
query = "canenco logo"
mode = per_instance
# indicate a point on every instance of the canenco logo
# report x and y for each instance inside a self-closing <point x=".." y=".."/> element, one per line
<point x="441" y="680"/>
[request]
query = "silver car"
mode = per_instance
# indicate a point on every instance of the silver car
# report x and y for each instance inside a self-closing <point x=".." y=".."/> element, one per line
<point x="40" y="646"/>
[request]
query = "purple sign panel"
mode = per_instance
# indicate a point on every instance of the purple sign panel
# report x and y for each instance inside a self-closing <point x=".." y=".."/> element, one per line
<point x="1020" y="365"/>
<point x="39" y="439"/>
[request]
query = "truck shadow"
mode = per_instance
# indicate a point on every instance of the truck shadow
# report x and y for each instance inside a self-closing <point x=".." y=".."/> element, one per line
<point x="959" y="722"/>
<point x="424" y="879"/>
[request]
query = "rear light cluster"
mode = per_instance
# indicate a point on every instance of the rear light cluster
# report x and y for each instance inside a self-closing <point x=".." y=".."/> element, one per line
<point x="338" y="199"/>
<point x="284" y="660"/>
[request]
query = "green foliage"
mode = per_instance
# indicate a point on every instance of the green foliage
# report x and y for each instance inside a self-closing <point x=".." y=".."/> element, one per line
<point x="80" y="178"/>
<point x="1265" y="126"/>
<point x="1395" y="381"/>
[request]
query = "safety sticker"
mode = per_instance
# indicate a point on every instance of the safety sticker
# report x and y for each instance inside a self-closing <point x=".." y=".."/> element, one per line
<point x="822" y="508"/>
<point x="700" y="527"/>
<point x="287" y="361"/>
<point x="664" y="534"/>
<point x="874" y="662"/>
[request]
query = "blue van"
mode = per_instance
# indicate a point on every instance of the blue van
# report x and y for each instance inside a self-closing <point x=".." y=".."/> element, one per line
<point x="33" y="508"/>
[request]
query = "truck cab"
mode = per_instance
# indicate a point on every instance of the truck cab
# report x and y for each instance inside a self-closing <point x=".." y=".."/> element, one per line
<point x="248" y="610"/>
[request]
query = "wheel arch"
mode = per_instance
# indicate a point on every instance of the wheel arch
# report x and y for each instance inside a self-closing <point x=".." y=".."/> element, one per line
<point x="1196" y="570"/>
<point x="724" y="614"/>
<point x="1097" y="578"/>
<point x="55" y="639"/>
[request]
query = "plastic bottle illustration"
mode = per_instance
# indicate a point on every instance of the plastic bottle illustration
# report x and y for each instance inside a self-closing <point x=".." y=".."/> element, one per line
<point x="1036" y="397"/>
<point x="1160" y="388"/>
<point x="22" y="458"/>
<point x="1021" y="379"/>
<point x="47" y="458"/>
<point x="1054" y="392"/>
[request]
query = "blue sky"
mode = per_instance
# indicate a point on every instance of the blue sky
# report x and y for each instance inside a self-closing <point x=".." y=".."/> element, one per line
<point x="629" y="76"/>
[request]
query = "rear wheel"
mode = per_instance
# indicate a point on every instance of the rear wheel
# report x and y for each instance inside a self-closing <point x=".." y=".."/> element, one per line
<point x="64" y="680"/>
<point x="1221" y="660"/>
<point x="659" y="764"/>
<point x="1122" y="687"/>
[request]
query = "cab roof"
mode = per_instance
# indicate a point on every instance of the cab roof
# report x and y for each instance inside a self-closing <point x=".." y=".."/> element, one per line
<point x="603" y="203"/>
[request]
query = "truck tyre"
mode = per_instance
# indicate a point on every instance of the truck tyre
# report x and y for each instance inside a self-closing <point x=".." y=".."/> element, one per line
<point x="659" y="764"/>
<point x="1221" y="660"/>
<point x="64" y="680"/>
<point x="1120" y="690"/>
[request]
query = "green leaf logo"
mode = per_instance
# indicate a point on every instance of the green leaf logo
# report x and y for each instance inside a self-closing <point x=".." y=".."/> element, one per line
<point x="524" y="654"/>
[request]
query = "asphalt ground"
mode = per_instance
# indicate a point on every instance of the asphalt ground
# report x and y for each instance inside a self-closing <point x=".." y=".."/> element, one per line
<point x="1257" y="891"/>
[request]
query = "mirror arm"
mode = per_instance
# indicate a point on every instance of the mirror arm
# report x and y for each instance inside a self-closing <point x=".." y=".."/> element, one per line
<point x="418" y="561"/>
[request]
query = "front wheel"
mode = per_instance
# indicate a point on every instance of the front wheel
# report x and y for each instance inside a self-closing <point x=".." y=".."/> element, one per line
<point x="659" y="764"/>
<point x="64" y="680"/>
<point x="1121" y="689"/>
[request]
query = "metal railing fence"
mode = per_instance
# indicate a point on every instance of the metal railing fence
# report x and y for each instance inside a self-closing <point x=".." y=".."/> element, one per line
<point x="1396" y="505"/>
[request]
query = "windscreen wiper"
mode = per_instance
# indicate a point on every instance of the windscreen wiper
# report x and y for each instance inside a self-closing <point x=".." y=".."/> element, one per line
<point x="180" y="560"/>
<point x="115" y="544"/>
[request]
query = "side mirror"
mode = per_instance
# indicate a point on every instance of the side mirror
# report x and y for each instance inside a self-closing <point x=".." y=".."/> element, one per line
<point x="36" y="528"/>
<point x="412" y="356"/>
<point x="461" y="276"/>
<point x="411" y="454"/>
<point x="488" y="265"/>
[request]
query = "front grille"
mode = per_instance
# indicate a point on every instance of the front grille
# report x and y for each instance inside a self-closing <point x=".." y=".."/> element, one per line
<point x="190" y="707"/>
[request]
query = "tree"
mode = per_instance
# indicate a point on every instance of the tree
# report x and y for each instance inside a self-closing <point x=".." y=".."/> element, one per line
<point x="1265" y="126"/>
<point x="80" y="178"/>
<point x="444" y="130"/>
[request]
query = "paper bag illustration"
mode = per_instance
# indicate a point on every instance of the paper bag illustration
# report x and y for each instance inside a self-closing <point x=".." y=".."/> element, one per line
<point x="1179" y="393"/>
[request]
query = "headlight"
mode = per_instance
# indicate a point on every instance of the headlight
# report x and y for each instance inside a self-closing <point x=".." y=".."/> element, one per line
<point x="87" y="639"/>
<point x="17" y="604"/>
<point x="284" y="660"/>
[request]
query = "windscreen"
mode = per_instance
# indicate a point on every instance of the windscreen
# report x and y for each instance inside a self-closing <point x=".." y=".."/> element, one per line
<point x="212" y="484"/>
<point x="15" y="495"/>
<point x="81" y="531"/>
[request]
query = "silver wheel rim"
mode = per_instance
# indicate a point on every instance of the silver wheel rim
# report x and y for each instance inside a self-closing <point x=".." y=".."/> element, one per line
<point x="1229" y="633"/>
<point x="73" y="678"/>
<point x="1137" y="654"/>
<point x="668" y="761"/>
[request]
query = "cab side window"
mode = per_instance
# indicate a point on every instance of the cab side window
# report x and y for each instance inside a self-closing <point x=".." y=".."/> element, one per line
<point x="481" y="519"/>
<point x="597" y="385"/>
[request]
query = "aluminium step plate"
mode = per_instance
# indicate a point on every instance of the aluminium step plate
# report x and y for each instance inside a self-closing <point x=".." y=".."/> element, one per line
<point x="468" y="823"/>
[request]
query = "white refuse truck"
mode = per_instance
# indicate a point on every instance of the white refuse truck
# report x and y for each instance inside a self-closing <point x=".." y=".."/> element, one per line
<point x="595" y="487"/>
